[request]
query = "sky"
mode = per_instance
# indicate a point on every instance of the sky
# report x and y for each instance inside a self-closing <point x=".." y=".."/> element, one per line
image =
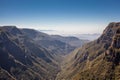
<point x="60" y="16"/>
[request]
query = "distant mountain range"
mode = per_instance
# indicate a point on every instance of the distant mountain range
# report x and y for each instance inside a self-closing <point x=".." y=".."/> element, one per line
<point x="89" y="37"/>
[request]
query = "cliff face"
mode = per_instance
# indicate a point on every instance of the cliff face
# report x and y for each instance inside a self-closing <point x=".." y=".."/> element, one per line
<point x="97" y="60"/>
<point x="113" y="52"/>
<point x="108" y="34"/>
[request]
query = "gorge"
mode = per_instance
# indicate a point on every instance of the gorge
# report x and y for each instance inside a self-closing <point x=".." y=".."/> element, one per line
<point x="27" y="54"/>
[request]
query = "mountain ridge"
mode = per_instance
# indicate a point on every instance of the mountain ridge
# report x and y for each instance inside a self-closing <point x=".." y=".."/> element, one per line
<point x="22" y="58"/>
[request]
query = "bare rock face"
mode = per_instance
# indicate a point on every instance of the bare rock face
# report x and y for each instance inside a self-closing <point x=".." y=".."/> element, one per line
<point x="111" y="30"/>
<point x="113" y="53"/>
<point x="116" y="40"/>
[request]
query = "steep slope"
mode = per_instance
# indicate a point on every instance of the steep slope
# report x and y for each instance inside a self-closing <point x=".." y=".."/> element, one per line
<point x="22" y="59"/>
<point x="97" y="60"/>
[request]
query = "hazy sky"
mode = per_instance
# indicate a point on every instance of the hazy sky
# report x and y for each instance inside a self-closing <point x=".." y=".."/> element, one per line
<point x="64" y="16"/>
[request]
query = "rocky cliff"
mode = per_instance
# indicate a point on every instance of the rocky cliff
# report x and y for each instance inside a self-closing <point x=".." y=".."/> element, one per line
<point x="97" y="60"/>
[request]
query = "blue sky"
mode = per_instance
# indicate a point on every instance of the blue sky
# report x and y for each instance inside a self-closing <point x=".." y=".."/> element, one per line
<point x="61" y="16"/>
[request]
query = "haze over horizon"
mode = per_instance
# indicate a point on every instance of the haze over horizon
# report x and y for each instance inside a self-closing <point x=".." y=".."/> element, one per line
<point x="60" y="16"/>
